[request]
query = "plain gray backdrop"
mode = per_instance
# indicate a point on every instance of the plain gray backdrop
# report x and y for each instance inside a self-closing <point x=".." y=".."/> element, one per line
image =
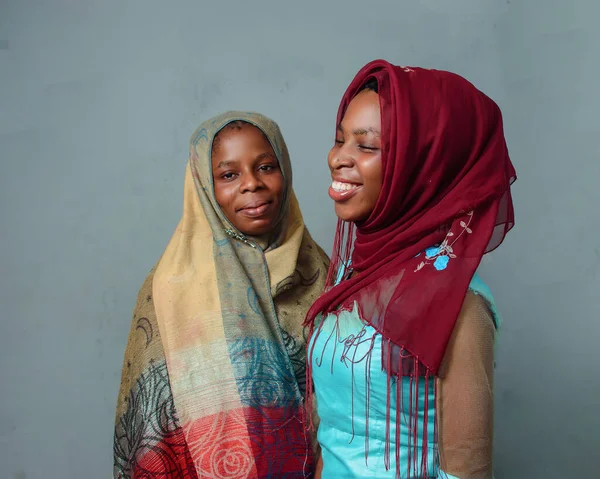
<point x="98" y="99"/>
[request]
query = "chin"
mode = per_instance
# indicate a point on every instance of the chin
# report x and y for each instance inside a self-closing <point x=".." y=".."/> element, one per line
<point x="257" y="230"/>
<point x="348" y="214"/>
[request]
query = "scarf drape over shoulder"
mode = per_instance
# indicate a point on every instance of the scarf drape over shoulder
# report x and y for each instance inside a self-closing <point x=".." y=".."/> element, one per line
<point x="214" y="372"/>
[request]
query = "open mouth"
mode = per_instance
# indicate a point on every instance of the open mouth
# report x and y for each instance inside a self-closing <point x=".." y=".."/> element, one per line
<point x="341" y="186"/>
<point x="342" y="190"/>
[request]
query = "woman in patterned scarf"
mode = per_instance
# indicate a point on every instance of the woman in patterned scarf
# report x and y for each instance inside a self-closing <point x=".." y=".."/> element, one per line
<point x="213" y="379"/>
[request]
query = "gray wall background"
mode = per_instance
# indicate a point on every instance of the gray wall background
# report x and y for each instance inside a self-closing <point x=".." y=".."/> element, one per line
<point x="97" y="101"/>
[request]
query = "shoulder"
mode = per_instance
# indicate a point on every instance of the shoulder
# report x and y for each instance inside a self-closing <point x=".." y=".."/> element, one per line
<point x="311" y="251"/>
<point x="476" y="315"/>
<point x="471" y="345"/>
<point x="144" y="331"/>
<point x="144" y="297"/>
<point x="474" y="332"/>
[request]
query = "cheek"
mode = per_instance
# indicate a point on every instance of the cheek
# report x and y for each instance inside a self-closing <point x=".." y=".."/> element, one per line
<point x="372" y="176"/>
<point x="377" y="185"/>
<point x="224" y="195"/>
<point x="277" y="185"/>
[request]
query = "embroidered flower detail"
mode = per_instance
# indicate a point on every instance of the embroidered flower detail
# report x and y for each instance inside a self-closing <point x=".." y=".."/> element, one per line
<point x="441" y="262"/>
<point x="440" y="255"/>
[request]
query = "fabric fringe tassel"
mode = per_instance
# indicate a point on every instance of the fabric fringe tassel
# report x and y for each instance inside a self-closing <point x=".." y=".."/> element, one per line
<point x="407" y="415"/>
<point x="410" y="406"/>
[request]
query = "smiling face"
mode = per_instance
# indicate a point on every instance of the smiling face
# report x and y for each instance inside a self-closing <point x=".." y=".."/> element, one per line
<point x="355" y="159"/>
<point x="248" y="181"/>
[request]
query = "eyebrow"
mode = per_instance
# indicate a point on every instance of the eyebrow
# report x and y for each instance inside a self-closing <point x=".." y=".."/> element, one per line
<point x="266" y="154"/>
<point x="262" y="156"/>
<point x="225" y="164"/>
<point x="361" y="131"/>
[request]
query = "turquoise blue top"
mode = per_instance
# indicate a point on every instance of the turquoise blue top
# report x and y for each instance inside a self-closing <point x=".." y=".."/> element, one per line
<point x="346" y="353"/>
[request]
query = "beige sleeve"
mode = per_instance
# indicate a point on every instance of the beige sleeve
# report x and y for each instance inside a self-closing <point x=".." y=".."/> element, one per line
<point x="466" y="394"/>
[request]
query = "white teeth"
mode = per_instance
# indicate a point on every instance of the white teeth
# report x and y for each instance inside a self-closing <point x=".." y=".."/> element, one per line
<point x="339" y="186"/>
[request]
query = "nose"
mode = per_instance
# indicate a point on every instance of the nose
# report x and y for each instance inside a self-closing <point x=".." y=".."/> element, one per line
<point x="251" y="182"/>
<point x="339" y="158"/>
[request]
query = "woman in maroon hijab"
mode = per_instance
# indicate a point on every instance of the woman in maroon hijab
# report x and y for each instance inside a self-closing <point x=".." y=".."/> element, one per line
<point x="401" y="348"/>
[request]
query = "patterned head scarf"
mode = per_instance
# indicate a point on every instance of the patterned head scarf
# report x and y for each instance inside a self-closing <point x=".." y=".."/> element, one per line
<point x="229" y="313"/>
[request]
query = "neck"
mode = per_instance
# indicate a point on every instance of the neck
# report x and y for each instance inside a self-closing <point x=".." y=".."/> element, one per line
<point x="263" y="240"/>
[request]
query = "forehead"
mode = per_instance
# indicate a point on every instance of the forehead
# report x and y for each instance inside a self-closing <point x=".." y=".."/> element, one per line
<point x="240" y="144"/>
<point x="236" y="128"/>
<point x="239" y="133"/>
<point x="364" y="110"/>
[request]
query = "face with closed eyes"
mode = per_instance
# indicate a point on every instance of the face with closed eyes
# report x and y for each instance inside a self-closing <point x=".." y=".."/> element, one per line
<point x="248" y="181"/>
<point x="355" y="159"/>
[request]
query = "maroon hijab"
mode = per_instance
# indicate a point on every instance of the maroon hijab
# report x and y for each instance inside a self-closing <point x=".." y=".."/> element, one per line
<point x="446" y="182"/>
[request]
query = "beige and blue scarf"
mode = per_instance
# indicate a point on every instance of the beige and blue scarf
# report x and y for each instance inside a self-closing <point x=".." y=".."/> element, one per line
<point x="214" y="374"/>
